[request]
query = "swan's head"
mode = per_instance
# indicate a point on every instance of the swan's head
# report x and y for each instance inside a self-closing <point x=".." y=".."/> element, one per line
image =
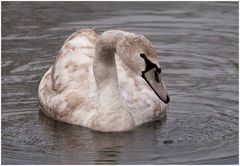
<point x="139" y="55"/>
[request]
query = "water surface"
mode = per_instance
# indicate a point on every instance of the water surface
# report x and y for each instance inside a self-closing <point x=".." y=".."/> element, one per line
<point x="198" y="47"/>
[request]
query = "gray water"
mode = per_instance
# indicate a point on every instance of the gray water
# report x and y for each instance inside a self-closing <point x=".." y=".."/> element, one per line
<point x="198" y="47"/>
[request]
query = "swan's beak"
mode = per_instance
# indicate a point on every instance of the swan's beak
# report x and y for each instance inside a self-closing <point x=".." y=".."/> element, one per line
<point x="153" y="78"/>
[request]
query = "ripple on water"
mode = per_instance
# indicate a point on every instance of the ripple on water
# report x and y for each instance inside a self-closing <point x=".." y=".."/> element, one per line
<point x="198" y="49"/>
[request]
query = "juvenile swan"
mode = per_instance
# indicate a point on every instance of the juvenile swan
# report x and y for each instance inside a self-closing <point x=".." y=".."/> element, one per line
<point x="109" y="83"/>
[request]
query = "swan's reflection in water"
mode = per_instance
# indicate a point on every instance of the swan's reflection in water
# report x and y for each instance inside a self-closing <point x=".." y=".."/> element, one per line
<point x="79" y="145"/>
<point x="108" y="155"/>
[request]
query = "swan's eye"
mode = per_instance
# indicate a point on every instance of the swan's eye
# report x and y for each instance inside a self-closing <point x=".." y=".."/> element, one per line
<point x="156" y="76"/>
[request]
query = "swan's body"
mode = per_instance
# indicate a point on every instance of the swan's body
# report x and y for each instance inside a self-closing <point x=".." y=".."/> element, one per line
<point x="89" y="86"/>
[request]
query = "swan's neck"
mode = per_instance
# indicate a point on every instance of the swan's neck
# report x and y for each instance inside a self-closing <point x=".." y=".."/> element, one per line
<point x="112" y="112"/>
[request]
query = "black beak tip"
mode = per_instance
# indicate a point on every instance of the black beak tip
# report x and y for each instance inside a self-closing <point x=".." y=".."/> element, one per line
<point x="168" y="99"/>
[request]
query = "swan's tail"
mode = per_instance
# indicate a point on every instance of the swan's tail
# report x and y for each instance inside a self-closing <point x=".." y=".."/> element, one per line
<point x="52" y="102"/>
<point x="47" y="95"/>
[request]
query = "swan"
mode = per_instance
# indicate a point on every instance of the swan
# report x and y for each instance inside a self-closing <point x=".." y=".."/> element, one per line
<point x="109" y="82"/>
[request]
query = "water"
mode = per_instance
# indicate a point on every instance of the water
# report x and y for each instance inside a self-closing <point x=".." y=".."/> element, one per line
<point x="198" y="47"/>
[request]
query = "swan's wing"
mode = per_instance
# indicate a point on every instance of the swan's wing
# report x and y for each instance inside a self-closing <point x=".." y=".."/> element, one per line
<point x="63" y="89"/>
<point x="74" y="59"/>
